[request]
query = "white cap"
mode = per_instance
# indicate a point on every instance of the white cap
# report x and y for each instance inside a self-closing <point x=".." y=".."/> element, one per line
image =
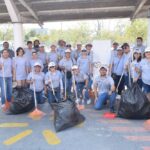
<point x="147" y="49"/>
<point x="84" y="50"/>
<point x="136" y="51"/>
<point x="104" y="66"/>
<point x="119" y="48"/>
<point x="67" y="51"/>
<point x="37" y="64"/>
<point x="51" y="64"/>
<point x="74" y="67"/>
<point x="41" y="45"/>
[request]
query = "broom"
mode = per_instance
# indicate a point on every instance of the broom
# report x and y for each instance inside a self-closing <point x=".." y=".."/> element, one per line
<point x="80" y="107"/>
<point x="7" y="104"/>
<point x="36" y="114"/>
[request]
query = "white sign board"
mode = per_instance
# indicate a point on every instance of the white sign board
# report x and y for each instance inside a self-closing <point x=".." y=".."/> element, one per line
<point x="101" y="54"/>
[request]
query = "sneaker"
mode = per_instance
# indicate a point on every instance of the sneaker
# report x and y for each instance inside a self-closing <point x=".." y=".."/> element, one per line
<point x="77" y="101"/>
<point x="118" y="97"/>
<point x="89" y="101"/>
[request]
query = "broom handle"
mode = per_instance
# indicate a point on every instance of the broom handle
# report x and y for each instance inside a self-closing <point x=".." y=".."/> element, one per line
<point x="4" y="81"/>
<point x="65" y="85"/>
<point x="74" y="86"/>
<point x="52" y="86"/>
<point x="119" y="81"/>
<point x="35" y="100"/>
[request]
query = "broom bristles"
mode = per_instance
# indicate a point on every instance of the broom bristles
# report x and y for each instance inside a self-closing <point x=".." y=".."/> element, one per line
<point x="7" y="106"/>
<point x="109" y="115"/>
<point x="80" y="107"/>
<point x="36" y="114"/>
<point x="147" y="124"/>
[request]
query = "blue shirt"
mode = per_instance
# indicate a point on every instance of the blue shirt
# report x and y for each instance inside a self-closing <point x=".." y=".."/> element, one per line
<point x="134" y="65"/>
<point x="127" y="61"/>
<point x="67" y="64"/>
<point x="118" y="65"/>
<point x="103" y="84"/>
<point x="80" y="77"/>
<point x="39" y="80"/>
<point x="42" y="56"/>
<point x="28" y="53"/>
<point x="84" y="64"/>
<point x="53" y="56"/>
<point x="55" y="78"/>
<point x="33" y="61"/>
<point x="20" y="65"/>
<point x="7" y="66"/>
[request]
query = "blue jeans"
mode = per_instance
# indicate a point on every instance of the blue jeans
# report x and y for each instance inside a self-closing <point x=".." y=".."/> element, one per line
<point x="39" y="96"/>
<point x="103" y="98"/>
<point x="68" y="85"/>
<point x="126" y="80"/>
<point x="80" y="87"/>
<point x="90" y="82"/>
<point x="8" y="81"/>
<point x="146" y="88"/>
<point x="52" y="98"/>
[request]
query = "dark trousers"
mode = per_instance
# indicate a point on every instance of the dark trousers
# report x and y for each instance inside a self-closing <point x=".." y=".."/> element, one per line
<point x="121" y="85"/>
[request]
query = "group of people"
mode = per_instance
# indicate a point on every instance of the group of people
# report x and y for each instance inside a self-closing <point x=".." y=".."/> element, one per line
<point x="64" y="71"/>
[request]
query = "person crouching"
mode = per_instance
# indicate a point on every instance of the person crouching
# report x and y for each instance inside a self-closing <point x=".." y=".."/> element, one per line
<point x="104" y="89"/>
<point x="53" y="80"/>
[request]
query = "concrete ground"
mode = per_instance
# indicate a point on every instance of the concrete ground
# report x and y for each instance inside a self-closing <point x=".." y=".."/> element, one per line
<point x="19" y="132"/>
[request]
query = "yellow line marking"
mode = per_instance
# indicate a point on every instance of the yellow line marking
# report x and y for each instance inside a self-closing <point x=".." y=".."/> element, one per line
<point x="17" y="137"/>
<point x="13" y="125"/>
<point x="51" y="137"/>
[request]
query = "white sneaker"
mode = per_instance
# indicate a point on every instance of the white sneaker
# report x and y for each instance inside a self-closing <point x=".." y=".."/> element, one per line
<point x="77" y="101"/>
<point x="89" y="101"/>
<point x="118" y="97"/>
<point x="3" y="105"/>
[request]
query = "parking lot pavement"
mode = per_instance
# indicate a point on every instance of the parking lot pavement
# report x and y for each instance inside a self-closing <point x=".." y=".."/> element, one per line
<point x="19" y="132"/>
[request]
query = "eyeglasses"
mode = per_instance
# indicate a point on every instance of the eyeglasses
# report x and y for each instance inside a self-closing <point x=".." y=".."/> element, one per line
<point x="52" y="67"/>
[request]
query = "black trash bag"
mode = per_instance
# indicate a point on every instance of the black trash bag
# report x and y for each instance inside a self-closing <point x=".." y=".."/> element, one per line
<point x="66" y="115"/>
<point x="23" y="101"/>
<point x="134" y="104"/>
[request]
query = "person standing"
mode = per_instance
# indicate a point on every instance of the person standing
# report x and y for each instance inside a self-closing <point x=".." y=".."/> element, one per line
<point x="20" y="65"/>
<point x="118" y="70"/>
<point x="136" y="77"/>
<point x="145" y="70"/>
<point x="28" y="51"/>
<point x="34" y="60"/>
<point x="36" y="44"/>
<point x="53" y="55"/>
<point x="10" y="51"/>
<point x="65" y="66"/>
<point x="43" y="57"/>
<point x="139" y="45"/>
<point x="6" y="72"/>
<point x="77" y="52"/>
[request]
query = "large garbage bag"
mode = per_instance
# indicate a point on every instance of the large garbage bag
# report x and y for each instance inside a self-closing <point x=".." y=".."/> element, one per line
<point x="134" y="104"/>
<point x="23" y="101"/>
<point x="66" y="115"/>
